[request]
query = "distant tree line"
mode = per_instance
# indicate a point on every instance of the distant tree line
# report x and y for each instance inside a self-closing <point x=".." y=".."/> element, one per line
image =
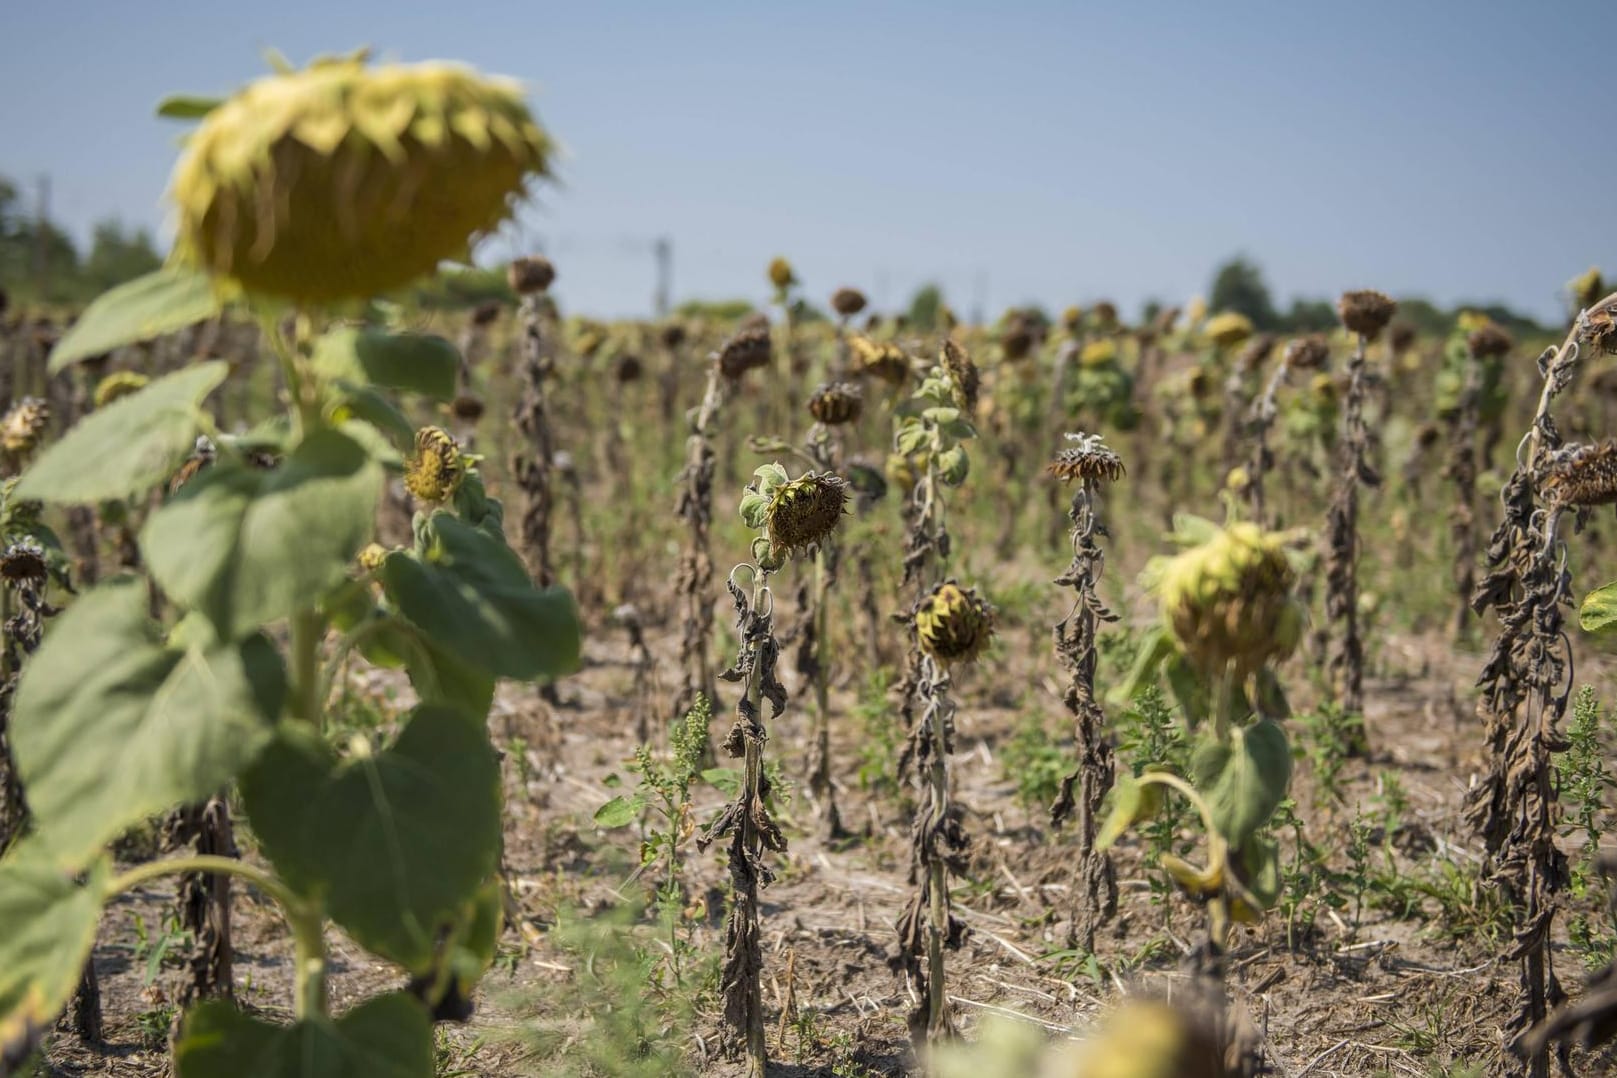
<point x="41" y="263"/>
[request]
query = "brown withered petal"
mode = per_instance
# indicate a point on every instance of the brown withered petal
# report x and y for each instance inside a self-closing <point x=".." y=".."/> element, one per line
<point x="1308" y="353"/>
<point x="529" y="275"/>
<point x="1582" y="475"/>
<point x="1366" y="312"/>
<point x="1489" y="342"/>
<point x="847" y="301"/>
<point x="745" y="351"/>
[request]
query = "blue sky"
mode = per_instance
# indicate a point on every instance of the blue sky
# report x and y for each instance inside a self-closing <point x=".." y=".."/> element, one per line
<point x="1013" y="152"/>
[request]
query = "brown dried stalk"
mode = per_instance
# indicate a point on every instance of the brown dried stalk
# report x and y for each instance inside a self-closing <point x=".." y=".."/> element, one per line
<point x="1094" y="886"/>
<point x="531" y="463"/>
<point x="694" y="581"/>
<point x="1525" y="684"/>
<point x="1462" y="471"/>
<point x="747" y="821"/>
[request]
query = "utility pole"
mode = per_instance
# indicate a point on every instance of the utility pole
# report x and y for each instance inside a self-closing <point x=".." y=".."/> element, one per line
<point x="662" y="249"/>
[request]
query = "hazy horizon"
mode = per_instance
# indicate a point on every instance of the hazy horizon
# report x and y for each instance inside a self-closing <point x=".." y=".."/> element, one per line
<point x="1044" y="154"/>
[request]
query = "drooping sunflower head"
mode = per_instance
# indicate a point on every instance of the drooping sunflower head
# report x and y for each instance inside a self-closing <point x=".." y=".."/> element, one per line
<point x="342" y="181"/>
<point x="1582" y="476"/>
<point x="780" y="274"/>
<point x="954" y="624"/>
<point x="1099" y="353"/>
<point x="24" y="425"/>
<point x="1228" y="599"/>
<point x="964" y="381"/>
<point x="1308" y="353"/>
<point x="1366" y="312"/>
<point x="805" y="511"/>
<point x="847" y="302"/>
<point x="1488" y="342"/>
<point x="23" y="561"/>
<point x="882" y="360"/>
<point x="531" y="275"/>
<point x="1088" y="458"/>
<point x="836" y="403"/>
<point x="743" y="352"/>
<point x="1598" y="328"/>
<point x="117" y="385"/>
<point x="1587" y="288"/>
<point x="434" y="471"/>
<point x="1228" y="329"/>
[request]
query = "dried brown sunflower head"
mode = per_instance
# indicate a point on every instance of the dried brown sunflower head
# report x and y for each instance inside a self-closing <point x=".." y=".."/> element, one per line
<point x="1401" y="338"/>
<point x="1427" y="435"/>
<point x="467" y="407"/>
<point x="847" y="302"/>
<point x="434" y="471"/>
<point x="1072" y="319"/>
<point x="1088" y="459"/>
<point x="486" y="314"/>
<point x="1366" y="312"/>
<point x="24" y="561"/>
<point x="1017" y="339"/>
<point x="1256" y="353"/>
<point x="836" y="402"/>
<point x="954" y="624"/>
<point x="672" y="335"/>
<point x="24" y="425"/>
<point x="883" y="360"/>
<point x="627" y="368"/>
<point x="747" y="350"/>
<point x="1598" y="327"/>
<point x="1582" y="475"/>
<point x="805" y="511"/>
<point x="1104" y="315"/>
<point x="1488" y="342"/>
<point x="1309" y="353"/>
<point x="531" y="275"/>
<point x="963" y="376"/>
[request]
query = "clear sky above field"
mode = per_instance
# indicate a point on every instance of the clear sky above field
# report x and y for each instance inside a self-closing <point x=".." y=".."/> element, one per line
<point x="1012" y="152"/>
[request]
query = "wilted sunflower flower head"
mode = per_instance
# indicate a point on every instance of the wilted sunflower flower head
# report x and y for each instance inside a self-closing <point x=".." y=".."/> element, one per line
<point x="342" y="181"/>
<point x="744" y="351"/>
<point x="964" y="381"/>
<point x="847" y="302"/>
<point x="954" y="624"/>
<point x="1099" y="353"/>
<point x="117" y="385"/>
<point x="1582" y="476"/>
<point x="1088" y="458"/>
<point x="1145" y="1039"/>
<point x="24" y="425"/>
<point x="795" y="514"/>
<point x="780" y="274"/>
<point x="23" y="560"/>
<point x="434" y="471"/>
<point x="1366" y="312"/>
<point x="882" y="360"/>
<point x="1227" y="599"/>
<point x="1488" y="341"/>
<point x="1228" y="329"/>
<point x="1598" y="326"/>
<point x="836" y="403"/>
<point x="1587" y="288"/>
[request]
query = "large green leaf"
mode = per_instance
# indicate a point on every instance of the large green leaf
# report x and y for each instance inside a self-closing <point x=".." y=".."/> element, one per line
<point x="129" y="446"/>
<point x="417" y="362"/>
<point x="471" y="594"/>
<point x="112" y="725"/>
<point x="394" y="841"/>
<point x="386" y="1037"/>
<point x="50" y="924"/>
<point x="247" y="546"/>
<point x="1599" y="611"/>
<point x="1243" y="778"/>
<point x="160" y="302"/>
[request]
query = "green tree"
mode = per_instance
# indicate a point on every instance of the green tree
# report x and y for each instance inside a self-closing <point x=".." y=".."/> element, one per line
<point x="117" y="255"/>
<point x="1309" y="316"/>
<point x="924" y="307"/>
<point x="1238" y="285"/>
